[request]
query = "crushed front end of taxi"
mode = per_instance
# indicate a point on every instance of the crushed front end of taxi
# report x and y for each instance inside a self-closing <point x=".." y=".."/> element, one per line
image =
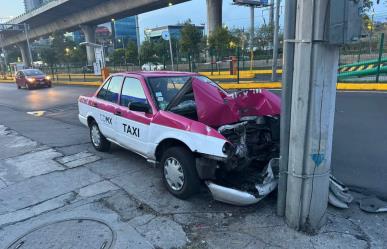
<point x="246" y="192"/>
<point x="249" y="122"/>
<point x="250" y="170"/>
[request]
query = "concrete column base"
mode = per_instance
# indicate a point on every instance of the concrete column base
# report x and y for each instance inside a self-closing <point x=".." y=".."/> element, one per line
<point x="24" y="53"/>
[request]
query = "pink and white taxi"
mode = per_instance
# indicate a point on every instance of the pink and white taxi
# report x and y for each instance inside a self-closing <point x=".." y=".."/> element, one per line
<point x="197" y="132"/>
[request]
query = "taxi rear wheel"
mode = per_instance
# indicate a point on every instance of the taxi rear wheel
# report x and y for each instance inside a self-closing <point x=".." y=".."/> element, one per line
<point x="98" y="140"/>
<point x="179" y="172"/>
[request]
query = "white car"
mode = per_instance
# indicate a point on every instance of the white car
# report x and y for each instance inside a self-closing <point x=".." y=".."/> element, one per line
<point x="152" y="67"/>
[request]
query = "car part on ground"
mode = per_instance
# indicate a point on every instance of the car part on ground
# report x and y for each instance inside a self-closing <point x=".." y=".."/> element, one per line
<point x="339" y="195"/>
<point x="373" y="205"/>
<point x="239" y="195"/>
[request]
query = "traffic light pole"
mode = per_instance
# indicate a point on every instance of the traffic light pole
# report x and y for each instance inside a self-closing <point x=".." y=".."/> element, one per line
<point x="313" y="96"/>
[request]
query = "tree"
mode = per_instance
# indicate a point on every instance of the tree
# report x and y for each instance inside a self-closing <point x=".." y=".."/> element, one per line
<point x="131" y="52"/>
<point x="191" y="38"/>
<point x="264" y="36"/>
<point x="154" y="51"/>
<point x="219" y="41"/>
<point x="13" y="55"/>
<point x="367" y="5"/>
<point x="78" y="54"/>
<point x="147" y="51"/>
<point x="48" y="56"/>
<point x="119" y="56"/>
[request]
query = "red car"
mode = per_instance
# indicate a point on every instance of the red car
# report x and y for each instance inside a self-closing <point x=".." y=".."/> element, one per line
<point x="31" y="78"/>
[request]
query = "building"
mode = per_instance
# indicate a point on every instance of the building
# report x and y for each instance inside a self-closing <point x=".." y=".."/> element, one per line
<point x="125" y="30"/>
<point x="33" y="4"/>
<point x="174" y="31"/>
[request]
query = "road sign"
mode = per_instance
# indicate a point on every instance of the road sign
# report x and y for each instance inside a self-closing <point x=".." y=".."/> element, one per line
<point x="165" y="35"/>
<point x="257" y="3"/>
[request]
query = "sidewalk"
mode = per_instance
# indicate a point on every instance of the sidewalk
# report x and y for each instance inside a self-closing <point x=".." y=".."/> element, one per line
<point x="48" y="193"/>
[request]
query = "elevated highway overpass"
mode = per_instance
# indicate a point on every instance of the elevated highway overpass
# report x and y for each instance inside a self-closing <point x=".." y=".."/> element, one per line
<point x="70" y="15"/>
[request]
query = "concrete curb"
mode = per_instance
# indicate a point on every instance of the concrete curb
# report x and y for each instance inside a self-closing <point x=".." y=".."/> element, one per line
<point x="253" y="85"/>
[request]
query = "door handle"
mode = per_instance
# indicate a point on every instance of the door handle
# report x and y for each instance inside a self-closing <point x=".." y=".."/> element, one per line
<point x="118" y="113"/>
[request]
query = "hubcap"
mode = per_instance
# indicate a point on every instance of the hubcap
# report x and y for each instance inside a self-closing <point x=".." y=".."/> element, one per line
<point x="95" y="135"/>
<point x="173" y="173"/>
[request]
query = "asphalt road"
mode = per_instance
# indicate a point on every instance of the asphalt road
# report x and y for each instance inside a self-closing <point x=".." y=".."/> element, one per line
<point x="359" y="144"/>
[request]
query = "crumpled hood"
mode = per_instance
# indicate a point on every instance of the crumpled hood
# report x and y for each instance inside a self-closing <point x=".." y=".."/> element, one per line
<point x="216" y="107"/>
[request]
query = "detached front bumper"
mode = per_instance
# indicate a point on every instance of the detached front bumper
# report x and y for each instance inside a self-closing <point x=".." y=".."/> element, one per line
<point x="242" y="198"/>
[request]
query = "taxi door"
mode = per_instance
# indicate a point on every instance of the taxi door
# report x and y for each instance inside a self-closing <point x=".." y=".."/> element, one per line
<point x="134" y="115"/>
<point x="105" y="105"/>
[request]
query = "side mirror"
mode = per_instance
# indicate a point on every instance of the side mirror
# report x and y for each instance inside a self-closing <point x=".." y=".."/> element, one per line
<point x="139" y="107"/>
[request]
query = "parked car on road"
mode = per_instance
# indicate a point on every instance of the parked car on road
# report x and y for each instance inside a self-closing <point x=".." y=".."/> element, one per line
<point x="193" y="129"/>
<point x="152" y="67"/>
<point x="32" y="78"/>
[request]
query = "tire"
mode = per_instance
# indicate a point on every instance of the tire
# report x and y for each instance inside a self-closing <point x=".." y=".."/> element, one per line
<point x="182" y="158"/>
<point x="18" y="87"/>
<point x="98" y="140"/>
<point x="49" y="85"/>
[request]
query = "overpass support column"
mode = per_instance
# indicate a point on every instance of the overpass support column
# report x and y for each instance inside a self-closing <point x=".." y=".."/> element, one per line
<point x="89" y="31"/>
<point x="214" y="14"/>
<point x="25" y="53"/>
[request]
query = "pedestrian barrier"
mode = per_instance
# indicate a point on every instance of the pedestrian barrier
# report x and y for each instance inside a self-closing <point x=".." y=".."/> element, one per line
<point x="363" y="68"/>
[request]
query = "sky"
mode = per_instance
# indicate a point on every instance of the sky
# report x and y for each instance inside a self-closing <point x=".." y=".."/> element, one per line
<point x="233" y="16"/>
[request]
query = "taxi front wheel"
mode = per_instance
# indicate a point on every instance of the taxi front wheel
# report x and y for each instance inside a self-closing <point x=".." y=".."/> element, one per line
<point x="98" y="140"/>
<point x="179" y="172"/>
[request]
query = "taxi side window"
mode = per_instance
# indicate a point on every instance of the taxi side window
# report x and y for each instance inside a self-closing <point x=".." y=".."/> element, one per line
<point x="132" y="91"/>
<point x="102" y="93"/>
<point x="111" y="90"/>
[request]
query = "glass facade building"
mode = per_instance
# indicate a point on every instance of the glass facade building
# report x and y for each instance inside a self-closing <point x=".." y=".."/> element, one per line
<point x="125" y="30"/>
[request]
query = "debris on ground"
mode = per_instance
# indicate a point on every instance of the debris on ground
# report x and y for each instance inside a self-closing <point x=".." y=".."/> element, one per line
<point x="373" y="205"/>
<point x="339" y="195"/>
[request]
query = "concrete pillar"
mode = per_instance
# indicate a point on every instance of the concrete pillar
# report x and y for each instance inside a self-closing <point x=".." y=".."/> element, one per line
<point x="214" y="14"/>
<point x="89" y="31"/>
<point x="25" y="53"/>
<point x="311" y="118"/>
<point x="4" y="57"/>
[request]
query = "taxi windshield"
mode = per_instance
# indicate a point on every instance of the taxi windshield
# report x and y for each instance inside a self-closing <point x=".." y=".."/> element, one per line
<point x="165" y="88"/>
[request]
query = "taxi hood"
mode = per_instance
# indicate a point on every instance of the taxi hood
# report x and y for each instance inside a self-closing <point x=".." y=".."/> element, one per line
<point x="215" y="107"/>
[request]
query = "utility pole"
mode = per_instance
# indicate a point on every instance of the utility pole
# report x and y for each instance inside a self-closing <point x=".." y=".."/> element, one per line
<point x="312" y="114"/>
<point x="276" y="41"/>
<point x="252" y="33"/>
<point x="271" y="12"/>
<point x="286" y="100"/>
<point x="138" y="40"/>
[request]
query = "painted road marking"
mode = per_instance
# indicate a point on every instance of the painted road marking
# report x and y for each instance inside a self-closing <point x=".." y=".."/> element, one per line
<point x="37" y="113"/>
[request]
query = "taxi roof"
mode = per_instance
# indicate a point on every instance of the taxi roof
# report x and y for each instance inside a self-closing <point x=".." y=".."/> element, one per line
<point x="147" y="74"/>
